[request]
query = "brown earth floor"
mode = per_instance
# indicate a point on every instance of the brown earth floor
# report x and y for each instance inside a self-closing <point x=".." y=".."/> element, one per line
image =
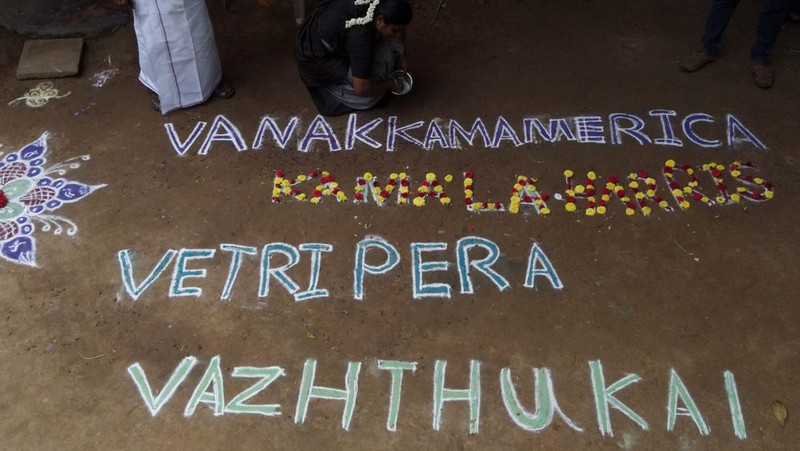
<point x="702" y="291"/>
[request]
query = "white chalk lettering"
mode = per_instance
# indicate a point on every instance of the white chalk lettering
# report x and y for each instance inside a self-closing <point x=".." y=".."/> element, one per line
<point x="677" y="389"/>
<point x="472" y="394"/>
<point x="361" y="267"/>
<point x="604" y="397"/>
<point x="396" y="368"/>
<point x="421" y="289"/>
<point x="126" y="267"/>
<point x="546" y="403"/>
<point x="155" y="403"/>
<point x="266" y="377"/>
<point x="181" y="272"/>
<point x="308" y="390"/>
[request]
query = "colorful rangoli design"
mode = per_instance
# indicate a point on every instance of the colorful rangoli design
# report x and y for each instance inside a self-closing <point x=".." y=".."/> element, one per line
<point x="29" y="193"/>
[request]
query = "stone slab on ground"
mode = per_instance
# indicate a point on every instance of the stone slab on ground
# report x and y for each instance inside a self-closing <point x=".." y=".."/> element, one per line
<point x="50" y="58"/>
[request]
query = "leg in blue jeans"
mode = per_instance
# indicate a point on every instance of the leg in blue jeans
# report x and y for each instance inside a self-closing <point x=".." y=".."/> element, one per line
<point x="718" y="19"/>
<point x="769" y="25"/>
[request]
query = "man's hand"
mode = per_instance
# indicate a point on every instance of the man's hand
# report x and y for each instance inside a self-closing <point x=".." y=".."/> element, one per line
<point x="364" y="87"/>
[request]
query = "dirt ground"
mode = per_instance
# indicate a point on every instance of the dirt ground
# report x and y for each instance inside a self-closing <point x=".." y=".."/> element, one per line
<point x="673" y="330"/>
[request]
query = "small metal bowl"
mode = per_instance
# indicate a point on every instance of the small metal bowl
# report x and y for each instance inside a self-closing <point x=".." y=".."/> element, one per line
<point x="408" y="81"/>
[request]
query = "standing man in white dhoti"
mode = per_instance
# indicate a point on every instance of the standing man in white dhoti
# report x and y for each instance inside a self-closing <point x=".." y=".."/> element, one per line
<point x="177" y="53"/>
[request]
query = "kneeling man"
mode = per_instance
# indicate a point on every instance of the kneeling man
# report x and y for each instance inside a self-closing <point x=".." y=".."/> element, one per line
<point x="346" y="51"/>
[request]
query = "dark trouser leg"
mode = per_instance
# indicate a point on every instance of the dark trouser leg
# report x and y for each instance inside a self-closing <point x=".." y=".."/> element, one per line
<point x="718" y="18"/>
<point x="769" y="25"/>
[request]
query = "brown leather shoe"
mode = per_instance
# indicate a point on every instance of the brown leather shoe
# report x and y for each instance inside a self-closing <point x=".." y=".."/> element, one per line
<point x="763" y="75"/>
<point x="696" y="61"/>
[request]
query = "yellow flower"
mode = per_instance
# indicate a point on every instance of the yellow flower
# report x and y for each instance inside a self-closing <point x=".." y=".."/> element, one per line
<point x="741" y="189"/>
<point x="579" y="189"/>
<point x="544" y="211"/>
<point x="285" y="183"/>
<point x="319" y="187"/>
<point x="419" y="201"/>
<point x="368" y="176"/>
<point x="515" y="200"/>
<point x="327" y="192"/>
<point x="640" y="195"/>
<point x="569" y="192"/>
<point x="513" y="208"/>
<point x="468" y="193"/>
<point x="689" y="171"/>
<point x="302" y="178"/>
<point x="359" y="188"/>
<point x="341" y="196"/>
<point x="706" y="167"/>
<point x="314" y="200"/>
<point x="468" y="181"/>
<point x="326" y="173"/>
<point x="704" y="199"/>
<point x="422" y="189"/>
<point x="389" y="188"/>
<point x="333" y="185"/>
<point x="448" y="178"/>
<point x="720" y="199"/>
<point x="538" y="201"/>
<point x="591" y="175"/>
<point x="650" y="181"/>
<point x="430" y="176"/>
<point x="518" y="187"/>
<point x="630" y="211"/>
<point x="736" y="173"/>
<point x="444" y="200"/>
<point x="490" y="206"/>
<point x="651" y="193"/>
<point x="663" y="204"/>
<point x="720" y="167"/>
<point x="670" y="163"/>
<point x="601" y="210"/>
<point x="570" y="207"/>
<point x="286" y="190"/>
<point x="438" y="188"/>
<point x="633" y="185"/>
<point x="301" y="196"/>
<point x="693" y="184"/>
<point x="758" y="180"/>
<point x="646" y="210"/>
<point x="476" y="206"/>
<point x="278" y="180"/>
<point x="393" y="176"/>
<point x="402" y="200"/>
<point x="676" y="192"/>
<point x="276" y="192"/>
<point x="610" y="185"/>
<point x="769" y="194"/>
<point x="685" y="204"/>
<point x="590" y="212"/>
<point x="735" y="197"/>
<point x="402" y="175"/>
<point x="568" y="173"/>
<point x="605" y="197"/>
<point x="687" y="189"/>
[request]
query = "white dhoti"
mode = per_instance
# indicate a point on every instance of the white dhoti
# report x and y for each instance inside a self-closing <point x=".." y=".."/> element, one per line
<point x="177" y="53"/>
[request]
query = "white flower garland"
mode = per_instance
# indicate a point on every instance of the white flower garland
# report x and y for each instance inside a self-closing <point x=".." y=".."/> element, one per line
<point x="367" y="18"/>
